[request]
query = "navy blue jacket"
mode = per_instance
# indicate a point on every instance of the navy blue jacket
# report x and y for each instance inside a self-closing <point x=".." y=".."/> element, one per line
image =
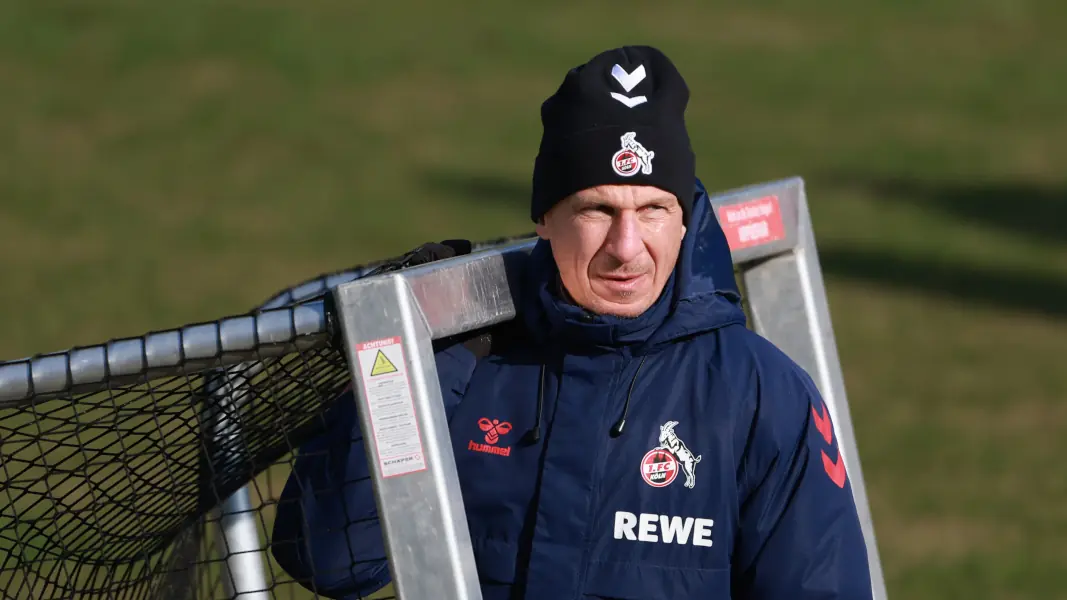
<point x="726" y="481"/>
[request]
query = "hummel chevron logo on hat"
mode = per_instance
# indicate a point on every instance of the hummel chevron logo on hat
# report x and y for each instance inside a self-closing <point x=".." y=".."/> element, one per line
<point x="628" y="81"/>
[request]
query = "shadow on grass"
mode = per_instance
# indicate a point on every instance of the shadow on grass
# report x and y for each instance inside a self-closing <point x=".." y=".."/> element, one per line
<point x="480" y="188"/>
<point x="995" y="288"/>
<point x="1026" y="209"/>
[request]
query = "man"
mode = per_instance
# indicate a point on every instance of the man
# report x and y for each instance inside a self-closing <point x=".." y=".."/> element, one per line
<point x="627" y="436"/>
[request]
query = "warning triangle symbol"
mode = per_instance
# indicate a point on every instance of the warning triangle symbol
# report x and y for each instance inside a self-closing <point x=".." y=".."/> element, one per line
<point x="382" y="365"/>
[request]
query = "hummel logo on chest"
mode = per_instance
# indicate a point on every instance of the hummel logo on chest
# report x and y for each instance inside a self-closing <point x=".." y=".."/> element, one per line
<point x="494" y="429"/>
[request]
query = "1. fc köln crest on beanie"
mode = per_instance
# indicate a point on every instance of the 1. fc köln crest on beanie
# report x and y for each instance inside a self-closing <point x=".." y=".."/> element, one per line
<point x="617" y="119"/>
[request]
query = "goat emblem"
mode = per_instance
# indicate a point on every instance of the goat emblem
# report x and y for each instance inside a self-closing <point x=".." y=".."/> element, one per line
<point x="669" y="441"/>
<point x="633" y="157"/>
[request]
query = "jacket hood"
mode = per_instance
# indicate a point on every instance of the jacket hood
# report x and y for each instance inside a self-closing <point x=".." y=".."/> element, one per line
<point x="701" y="295"/>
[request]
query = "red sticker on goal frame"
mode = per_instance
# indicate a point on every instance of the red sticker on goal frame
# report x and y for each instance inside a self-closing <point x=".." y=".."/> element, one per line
<point x="752" y="223"/>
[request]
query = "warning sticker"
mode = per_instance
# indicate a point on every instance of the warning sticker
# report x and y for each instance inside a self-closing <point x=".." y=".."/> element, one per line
<point x="752" y="223"/>
<point x="382" y="366"/>
<point x="392" y="412"/>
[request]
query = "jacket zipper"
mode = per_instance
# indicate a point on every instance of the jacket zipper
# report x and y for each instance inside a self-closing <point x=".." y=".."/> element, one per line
<point x="598" y="477"/>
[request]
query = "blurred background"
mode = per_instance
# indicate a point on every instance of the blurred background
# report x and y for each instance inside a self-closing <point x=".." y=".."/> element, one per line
<point x="170" y="162"/>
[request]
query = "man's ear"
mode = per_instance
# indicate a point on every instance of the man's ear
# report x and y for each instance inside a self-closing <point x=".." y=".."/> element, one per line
<point x="542" y="229"/>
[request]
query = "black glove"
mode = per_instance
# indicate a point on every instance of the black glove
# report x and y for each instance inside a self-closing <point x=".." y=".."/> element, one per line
<point x="426" y="253"/>
<point x="478" y="342"/>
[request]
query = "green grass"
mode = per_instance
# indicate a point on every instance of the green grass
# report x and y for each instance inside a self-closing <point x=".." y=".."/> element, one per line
<point x="171" y="162"/>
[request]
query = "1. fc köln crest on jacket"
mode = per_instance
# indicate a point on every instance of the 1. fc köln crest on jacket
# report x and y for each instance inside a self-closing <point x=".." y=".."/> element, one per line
<point x="660" y="465"/>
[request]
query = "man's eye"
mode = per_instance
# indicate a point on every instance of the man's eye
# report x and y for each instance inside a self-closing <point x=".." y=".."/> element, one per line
<point x="597" y="208"/>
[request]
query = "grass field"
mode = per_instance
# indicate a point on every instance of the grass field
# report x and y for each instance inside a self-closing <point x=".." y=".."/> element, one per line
<point x="162" y="163"/>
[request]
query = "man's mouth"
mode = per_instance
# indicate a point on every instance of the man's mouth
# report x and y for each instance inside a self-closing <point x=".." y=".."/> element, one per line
<point x="623" y="282"/>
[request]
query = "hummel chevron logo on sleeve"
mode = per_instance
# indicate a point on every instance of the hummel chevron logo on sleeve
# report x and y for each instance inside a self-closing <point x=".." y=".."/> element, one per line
<point x="836" y="471"/>
<point x="823" y="424"/>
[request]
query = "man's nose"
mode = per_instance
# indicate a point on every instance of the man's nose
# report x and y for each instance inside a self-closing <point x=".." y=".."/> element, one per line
<point x="624" y="241"/>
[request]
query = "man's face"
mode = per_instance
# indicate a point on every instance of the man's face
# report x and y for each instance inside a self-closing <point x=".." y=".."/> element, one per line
<point x="615" y="246"/>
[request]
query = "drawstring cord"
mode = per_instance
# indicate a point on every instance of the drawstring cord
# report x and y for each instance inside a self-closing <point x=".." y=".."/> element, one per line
<point x="534" y="433"/>
<point x="616" y="429"/>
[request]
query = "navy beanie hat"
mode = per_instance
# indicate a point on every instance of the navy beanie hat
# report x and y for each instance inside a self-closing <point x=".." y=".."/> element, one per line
<point x="617" y="119"/>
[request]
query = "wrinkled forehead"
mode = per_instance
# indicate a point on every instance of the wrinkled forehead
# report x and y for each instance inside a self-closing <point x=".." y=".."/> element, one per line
<point x="622" y="196"/>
